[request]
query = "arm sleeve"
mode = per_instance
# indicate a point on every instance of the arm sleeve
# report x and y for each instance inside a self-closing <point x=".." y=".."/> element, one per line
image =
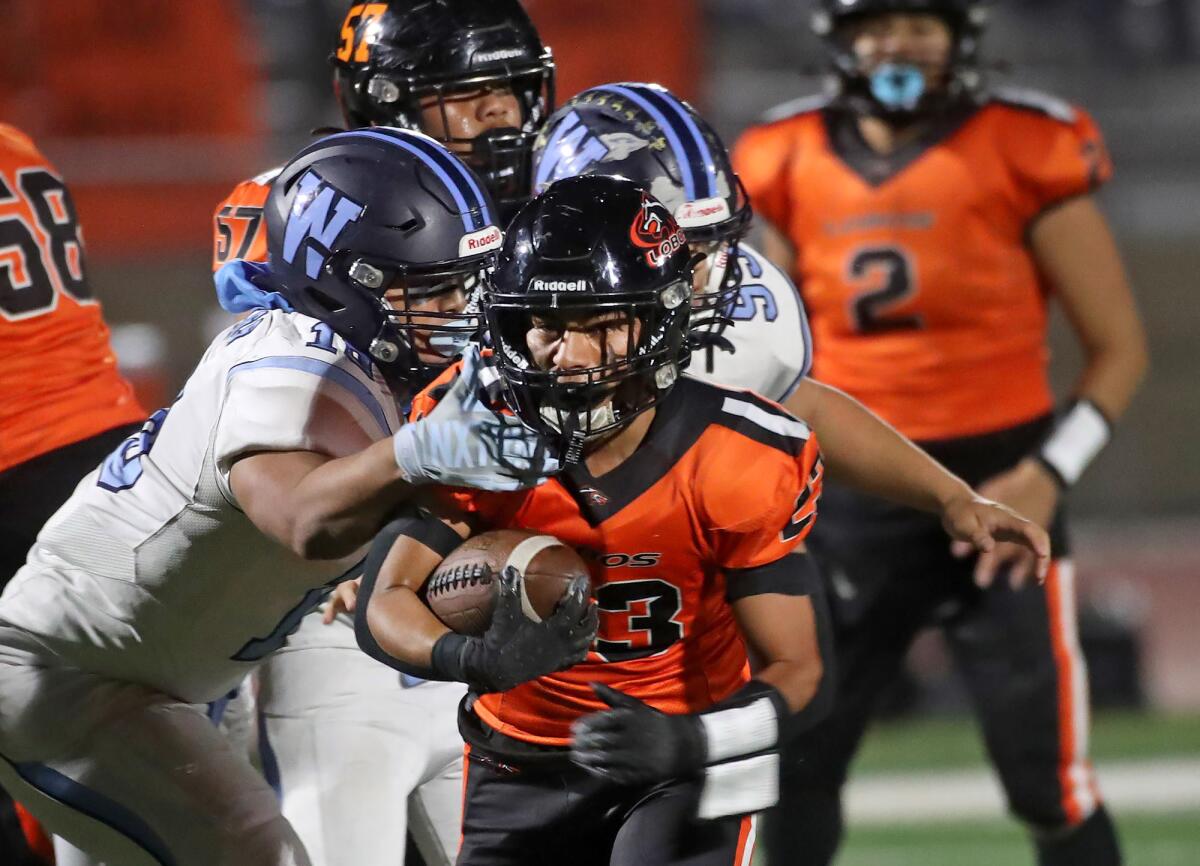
<point x="761" y="158"/>
<point x="1056" y="159"/>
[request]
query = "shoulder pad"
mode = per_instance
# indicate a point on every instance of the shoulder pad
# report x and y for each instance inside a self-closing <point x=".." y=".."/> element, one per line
<point x="795" y="107"/>
<point x="15" y="138"/>
<point x="1035" y="100"/>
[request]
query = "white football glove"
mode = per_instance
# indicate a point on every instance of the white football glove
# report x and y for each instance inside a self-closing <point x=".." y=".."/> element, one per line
<point x="464" y="442"/>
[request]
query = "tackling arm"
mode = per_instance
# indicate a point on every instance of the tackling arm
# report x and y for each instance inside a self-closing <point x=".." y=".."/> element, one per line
<point x="318" y="506"/>
<point x="868" y="454"/>
<point x="326" y="508"/>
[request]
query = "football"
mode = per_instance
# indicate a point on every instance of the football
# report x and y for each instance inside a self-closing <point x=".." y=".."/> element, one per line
<point x="462" y="589"/>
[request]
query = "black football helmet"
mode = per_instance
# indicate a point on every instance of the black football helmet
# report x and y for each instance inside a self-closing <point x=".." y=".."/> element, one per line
<point x="359" y="213"/>
<point x="586" y="247"/>
<point x="896" y="90"/>
<point x="647" y="134"/>
<point x="391" y="55"/>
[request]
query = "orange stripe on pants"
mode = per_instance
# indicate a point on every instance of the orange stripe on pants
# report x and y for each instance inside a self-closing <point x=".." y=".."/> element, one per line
<point x="35" y="837"/>
<point x="746" y="839"/>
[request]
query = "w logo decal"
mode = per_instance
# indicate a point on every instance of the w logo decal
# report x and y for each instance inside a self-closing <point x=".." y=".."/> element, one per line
<point x="320" y="213"/>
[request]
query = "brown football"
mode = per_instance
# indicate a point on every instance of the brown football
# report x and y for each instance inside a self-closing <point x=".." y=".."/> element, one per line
<point x="462" y="589"/>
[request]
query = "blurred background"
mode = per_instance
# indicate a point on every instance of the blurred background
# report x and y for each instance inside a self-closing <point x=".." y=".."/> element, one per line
<point x="152" y="111"/>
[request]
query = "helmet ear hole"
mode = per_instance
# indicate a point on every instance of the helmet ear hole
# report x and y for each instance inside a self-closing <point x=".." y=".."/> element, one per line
<point x="324" y="301"/>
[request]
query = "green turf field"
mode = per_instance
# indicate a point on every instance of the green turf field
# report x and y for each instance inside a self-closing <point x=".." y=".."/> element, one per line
<point x="1168" y="839"/>
<point x="937" y="744"/>
<point x="1149" y="840"/>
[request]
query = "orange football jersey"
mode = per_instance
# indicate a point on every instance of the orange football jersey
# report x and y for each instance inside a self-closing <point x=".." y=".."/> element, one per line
<point x="724" y="481"/>
<point x="924" y="298"/>
<point x="58" y="376"/>
<point x="239" y="229"/>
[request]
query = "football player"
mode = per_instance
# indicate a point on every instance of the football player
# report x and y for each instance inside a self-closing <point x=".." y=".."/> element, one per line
<point x="63" y="404"/>
<point x="474" y="75"/>
<point x="646" y="133"/>
<point x="471" y="73"/>
<point x="927" y="220"/>
<point x="691" y="501"/>
<point x="201" y="541"/>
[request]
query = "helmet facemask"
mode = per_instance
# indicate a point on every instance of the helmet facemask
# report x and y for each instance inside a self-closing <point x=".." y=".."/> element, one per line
<point x="501" y="156"/>
<point x="414" y="345"/>
<point x="582" y="405"/>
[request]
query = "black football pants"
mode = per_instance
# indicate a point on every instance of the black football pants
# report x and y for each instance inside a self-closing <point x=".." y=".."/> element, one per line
<point x="552" y="816"/>
<point x="890" y="574"/>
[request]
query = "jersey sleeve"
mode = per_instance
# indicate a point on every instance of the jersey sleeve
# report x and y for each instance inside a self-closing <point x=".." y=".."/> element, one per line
<point x="284" y="392"/>
<point x="764" y="502"/>
<point x="239" y="229"/>
<point x="1056" y="157"/>
<point x="761" y="158"/>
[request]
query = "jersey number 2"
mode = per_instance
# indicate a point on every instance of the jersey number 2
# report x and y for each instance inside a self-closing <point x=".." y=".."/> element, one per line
<point x="26" y="262"/>
<point x="870" y="310"/>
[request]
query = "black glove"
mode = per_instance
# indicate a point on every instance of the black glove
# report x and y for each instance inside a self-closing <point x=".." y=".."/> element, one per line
<point x="635" y="744"/>
<point x="515" y="649"/>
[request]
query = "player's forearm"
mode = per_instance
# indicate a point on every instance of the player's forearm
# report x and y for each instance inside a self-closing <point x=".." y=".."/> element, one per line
<point x="797" y="681"/>
<point x="403" y="626"/>
<point x="392" y="623"/>
<point x="340" y="505"/>
<point x="1113" y="374"/>
<point x="863" y="451"/>
<point x="791" y="637"/>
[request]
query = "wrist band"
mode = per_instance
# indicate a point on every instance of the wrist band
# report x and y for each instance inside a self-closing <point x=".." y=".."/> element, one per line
<point x="446" y="658"/>
<point x="745" y="723"/>
<point x="1077" y="438"/>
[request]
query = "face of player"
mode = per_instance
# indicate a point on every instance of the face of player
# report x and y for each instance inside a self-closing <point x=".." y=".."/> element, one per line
<point x="459" y="117"/>
<point x="567" y="344"/>
<point x="918" y="39"/>
<point x="450" y="297"/>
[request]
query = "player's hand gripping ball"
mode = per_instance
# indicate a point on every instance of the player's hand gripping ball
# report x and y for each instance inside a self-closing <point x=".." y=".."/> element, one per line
<point x="462" y="591"/>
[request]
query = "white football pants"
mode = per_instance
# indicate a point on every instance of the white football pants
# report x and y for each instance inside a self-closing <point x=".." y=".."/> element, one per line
<point x="128" y="774"/>
<point x="359" y="756"/>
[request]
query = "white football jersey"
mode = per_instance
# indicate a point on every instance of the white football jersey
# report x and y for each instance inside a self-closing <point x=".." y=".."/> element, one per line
<point x="770" y="337"/>
<point x="150" y="572"/>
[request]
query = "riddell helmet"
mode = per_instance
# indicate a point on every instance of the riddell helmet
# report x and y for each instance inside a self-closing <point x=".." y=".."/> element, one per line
<point x="897" y="90"/>
<point x="588" y="246"/>
<point x="647" y="134"/>
<point x="392" y="55"/>
<point x="361" y="212"/>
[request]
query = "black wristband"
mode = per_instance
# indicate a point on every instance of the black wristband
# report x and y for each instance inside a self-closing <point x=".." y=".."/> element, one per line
<point x="446" y="658"/>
